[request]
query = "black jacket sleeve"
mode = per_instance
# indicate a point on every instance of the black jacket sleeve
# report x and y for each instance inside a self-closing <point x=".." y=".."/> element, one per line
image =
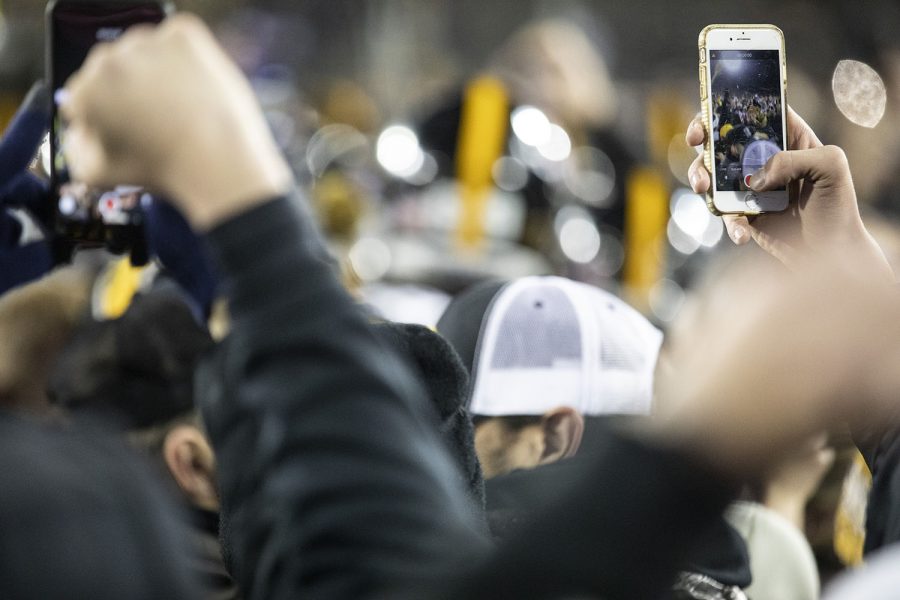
<point x="329" y="460"/>
<point x="337" y="487"/>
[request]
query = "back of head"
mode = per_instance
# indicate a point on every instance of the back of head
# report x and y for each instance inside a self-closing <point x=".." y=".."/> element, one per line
<point x="81" y="519"/>
<point x="137" y="369"/>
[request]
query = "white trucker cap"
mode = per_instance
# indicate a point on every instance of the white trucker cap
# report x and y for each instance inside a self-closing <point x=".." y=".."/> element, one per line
<point x="549" y="341"/>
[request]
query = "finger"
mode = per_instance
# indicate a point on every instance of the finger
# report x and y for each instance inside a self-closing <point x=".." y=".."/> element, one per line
<point x="698" y="176"/>
<point x="738" y="228"/>
<point x="800" y="135"/>
<point x="24" y="135"/>
<point x="826" y="164"/>
<point x="695" y="135"/>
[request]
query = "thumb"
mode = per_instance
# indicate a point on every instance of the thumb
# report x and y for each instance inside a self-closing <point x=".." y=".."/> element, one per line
<point x="827" y="163"/>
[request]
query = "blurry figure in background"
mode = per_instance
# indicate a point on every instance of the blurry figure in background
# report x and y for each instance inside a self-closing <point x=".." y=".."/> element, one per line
<point x="560" y="151"/>
<point x="555" y="364"/>
<point x="554" y="65"/>
<point x="82" y="518"/>
<point x="781" y="559"/>
<point x="36" y="320"/>
<point x="346" y="102"/>
<point x="136" y="372"/>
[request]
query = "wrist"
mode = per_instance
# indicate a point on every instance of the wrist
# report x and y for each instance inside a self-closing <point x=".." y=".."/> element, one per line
<point x="230" y="164"/>
<point x="230" y="180"/>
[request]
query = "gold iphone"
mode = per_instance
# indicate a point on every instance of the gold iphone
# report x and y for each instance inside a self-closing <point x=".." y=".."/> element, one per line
<point x="742" y="88"/>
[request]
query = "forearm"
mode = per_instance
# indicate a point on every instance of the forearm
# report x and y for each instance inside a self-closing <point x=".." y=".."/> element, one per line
<point x="326" y="446"/>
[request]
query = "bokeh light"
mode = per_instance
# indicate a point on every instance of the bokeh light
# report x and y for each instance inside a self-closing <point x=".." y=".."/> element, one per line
<point x="370" y="258"/>
<point x="579" y="238"/>
<point x="398" y="151"/>
<point x="531" y="125"/>
<point x="558" y="146"/>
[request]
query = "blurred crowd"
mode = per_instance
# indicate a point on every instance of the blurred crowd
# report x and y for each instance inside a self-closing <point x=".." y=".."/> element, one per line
<point x="487" y="346"/>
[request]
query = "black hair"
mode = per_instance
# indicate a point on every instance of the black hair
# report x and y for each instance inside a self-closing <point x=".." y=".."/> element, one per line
<point x="511" y="422"/>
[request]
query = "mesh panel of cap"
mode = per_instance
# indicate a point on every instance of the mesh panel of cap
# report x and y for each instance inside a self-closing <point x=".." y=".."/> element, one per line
<point x="539" y="328"/>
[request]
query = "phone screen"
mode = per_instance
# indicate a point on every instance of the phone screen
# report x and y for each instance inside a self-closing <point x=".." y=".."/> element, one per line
<point x="746" y="114"/>
<point x="75" y="27"/>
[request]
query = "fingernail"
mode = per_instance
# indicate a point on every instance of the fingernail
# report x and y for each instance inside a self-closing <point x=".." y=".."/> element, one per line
<point x="757" y="180"/>
<point x="738" y="234"/>
<point x="695" y="177"/>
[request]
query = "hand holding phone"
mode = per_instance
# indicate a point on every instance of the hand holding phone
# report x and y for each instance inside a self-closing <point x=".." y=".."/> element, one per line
<point x="184" y="122"/>
<point x="824" y="218"/>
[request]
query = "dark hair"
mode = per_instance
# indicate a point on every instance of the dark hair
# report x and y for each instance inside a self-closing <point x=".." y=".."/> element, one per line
<point x="511" y="422"/>
<point x="136" y="370"/>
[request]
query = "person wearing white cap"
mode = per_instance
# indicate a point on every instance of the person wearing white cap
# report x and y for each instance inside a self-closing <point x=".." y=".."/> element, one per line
<point x="544" y="353"/>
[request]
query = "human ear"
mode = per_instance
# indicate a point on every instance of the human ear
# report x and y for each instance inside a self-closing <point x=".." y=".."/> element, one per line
<point x="191" y="462"/>
<point x="562" y="429"/>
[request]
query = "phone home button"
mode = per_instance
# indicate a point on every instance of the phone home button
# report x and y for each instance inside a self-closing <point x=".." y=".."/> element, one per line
<point x="750" y="201"/>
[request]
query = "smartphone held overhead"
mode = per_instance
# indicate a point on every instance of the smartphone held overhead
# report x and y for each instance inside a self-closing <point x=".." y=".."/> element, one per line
<point x="742" y="89"/>
<point x="85" y="214"/>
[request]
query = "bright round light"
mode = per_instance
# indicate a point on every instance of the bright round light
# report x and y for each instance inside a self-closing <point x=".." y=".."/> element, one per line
<point x="691" y="215"/>
<point x="681" y="241"/>
<point x="370" y="258"/>
<point x="398" y="151"/>
<point x="67" y="205"/>
<point x="558" y="147"/>
<point x="530" y="125"/>
<point x="579" y="240"/>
